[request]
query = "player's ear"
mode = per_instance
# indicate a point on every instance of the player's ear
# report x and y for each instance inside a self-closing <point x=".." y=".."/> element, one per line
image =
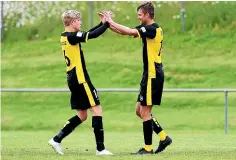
<point x="72" y="22"/>
<point x="147" y="15"/>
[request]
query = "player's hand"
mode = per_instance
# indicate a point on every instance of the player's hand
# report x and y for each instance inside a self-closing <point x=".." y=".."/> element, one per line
<point x="108" y="15"/>
<point x="108" y="12"/>
<point x="102" y="17"/>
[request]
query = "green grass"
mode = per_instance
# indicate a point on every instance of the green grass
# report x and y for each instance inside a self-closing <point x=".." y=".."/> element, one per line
<point x="179" y="111"/>
<point x="190" y="61"/>
<point x="22" y="145"/>
<point x="202" y="57"/>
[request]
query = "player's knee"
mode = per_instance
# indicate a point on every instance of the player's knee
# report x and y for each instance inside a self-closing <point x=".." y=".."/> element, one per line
<point x="145" y="117"/>
<point x="83" y="117"/>
<point x="138" y="113"/>
<point x="138" y="109"/>
<point x="96" y="110"/>
<point x="145" y="114"/>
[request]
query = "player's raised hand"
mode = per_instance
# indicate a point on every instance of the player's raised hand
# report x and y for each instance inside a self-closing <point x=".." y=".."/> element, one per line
<point x="108" y="15"/>
<point x="108" y="12"/>
<point x="102" y="17"/>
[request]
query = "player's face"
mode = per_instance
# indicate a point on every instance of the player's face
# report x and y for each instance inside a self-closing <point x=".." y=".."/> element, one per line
<point x="77" y="24"/>
<point x="142" y="17"/>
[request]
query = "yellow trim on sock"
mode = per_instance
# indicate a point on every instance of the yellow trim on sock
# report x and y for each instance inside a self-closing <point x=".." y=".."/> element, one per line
<point x="148" y="148"/>
<point x="162" y="135"/>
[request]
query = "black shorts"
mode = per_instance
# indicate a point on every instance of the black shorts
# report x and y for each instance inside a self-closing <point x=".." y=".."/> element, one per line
<point x="83" y="95"/>
<point x="151" y="90"/>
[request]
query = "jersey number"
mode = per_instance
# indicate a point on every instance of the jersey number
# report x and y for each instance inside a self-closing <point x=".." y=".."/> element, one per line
<point x="160" y="49"/>
<point x="67" y="60"/>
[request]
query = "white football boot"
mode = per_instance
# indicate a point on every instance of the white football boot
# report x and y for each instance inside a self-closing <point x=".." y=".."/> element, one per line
<point x="56" y="146"/>
<point x="103" y="152"/>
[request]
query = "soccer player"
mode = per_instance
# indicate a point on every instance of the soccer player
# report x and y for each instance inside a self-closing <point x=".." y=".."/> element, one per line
<point x="83" y="94"/>
<point x="151" y="86"/>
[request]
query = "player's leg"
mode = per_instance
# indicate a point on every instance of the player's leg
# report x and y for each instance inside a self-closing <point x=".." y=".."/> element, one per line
<point x="157" y="89"/>
<point x="143" y="110"/>
<point x="97" y="125"/>
<point x="138" y="110"/>
<point x="97" y="122"/>
<point x="145" y="114"/>
<point x="79" y="103"/>
<point x="147" y="127"/>
<point x="146" y="122"/>
<point x="165" y="140"/>
<point x="69" y="126"/>
<point x="156" y="126"/>
<point x="158" y="129"/>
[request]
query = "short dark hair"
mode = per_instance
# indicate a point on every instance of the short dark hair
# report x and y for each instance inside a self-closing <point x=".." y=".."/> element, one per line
<point x="147" y="7"/>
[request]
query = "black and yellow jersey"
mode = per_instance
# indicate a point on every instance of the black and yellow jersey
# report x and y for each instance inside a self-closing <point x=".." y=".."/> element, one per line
<point x="74" y="58"/>
<point x="152" y="38"/>
<point x="72" y="51"/>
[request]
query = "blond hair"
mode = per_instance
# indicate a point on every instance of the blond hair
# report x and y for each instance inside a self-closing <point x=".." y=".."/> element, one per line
<point x="69" y="15"/>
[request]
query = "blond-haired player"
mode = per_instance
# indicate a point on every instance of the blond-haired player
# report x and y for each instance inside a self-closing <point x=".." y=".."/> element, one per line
<point x="83" y="94"/>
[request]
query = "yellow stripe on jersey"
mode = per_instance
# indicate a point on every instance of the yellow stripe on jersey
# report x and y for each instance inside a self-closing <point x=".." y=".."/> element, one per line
<point x="87" y="37"/>
<point x="79" y="67"/>
<point x="153" y="51"/>
<point x="149" y="92"/>
<point x="89" y="94"/>
<point x="72" y="54"/>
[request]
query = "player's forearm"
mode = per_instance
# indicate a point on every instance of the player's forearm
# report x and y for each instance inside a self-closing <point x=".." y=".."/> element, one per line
<point x="97" y="26"/>
<point x="115" y="30"/>
<point x="99" y="31"/>
<point x="120" y="28"/>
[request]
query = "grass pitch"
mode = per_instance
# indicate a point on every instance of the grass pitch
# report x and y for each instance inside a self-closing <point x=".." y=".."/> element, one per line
<point x="80" y="145"/>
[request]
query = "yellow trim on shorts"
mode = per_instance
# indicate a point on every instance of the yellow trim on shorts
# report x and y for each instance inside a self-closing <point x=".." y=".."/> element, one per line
<point x="89" y="94"/>
<point x="149" y="92"/>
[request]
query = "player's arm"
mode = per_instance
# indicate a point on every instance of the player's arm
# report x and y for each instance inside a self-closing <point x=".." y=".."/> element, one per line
<point x="115" y="30"/>
<point x="99" y="31"/>
<point x="147" y="31"/>
<point x="81" y="36"/>
<point x="118" y="28"/>
<point x="97" y="26"/>
<point x="115" y="26"/>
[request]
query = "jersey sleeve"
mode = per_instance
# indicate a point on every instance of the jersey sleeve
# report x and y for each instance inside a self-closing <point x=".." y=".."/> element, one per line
<point x="147" y="31"/>
<point x="97" y="26"/>
<point x="76" y="37"/>
<point x="98" y="31"/>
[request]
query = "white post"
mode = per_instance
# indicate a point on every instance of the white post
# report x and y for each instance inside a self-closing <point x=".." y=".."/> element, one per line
<point x="91" y="14"/>
<point x="226" y="111"/>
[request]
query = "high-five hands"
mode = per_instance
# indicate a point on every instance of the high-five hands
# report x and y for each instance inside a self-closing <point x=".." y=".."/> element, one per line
<point x="105" y="16"/>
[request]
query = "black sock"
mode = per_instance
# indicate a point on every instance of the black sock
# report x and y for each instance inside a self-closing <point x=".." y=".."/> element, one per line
<point x="70" y="125"/>
<point x="98" y="132"/>
<point x="147" y="132"/>
<point x="156" y="126"/>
